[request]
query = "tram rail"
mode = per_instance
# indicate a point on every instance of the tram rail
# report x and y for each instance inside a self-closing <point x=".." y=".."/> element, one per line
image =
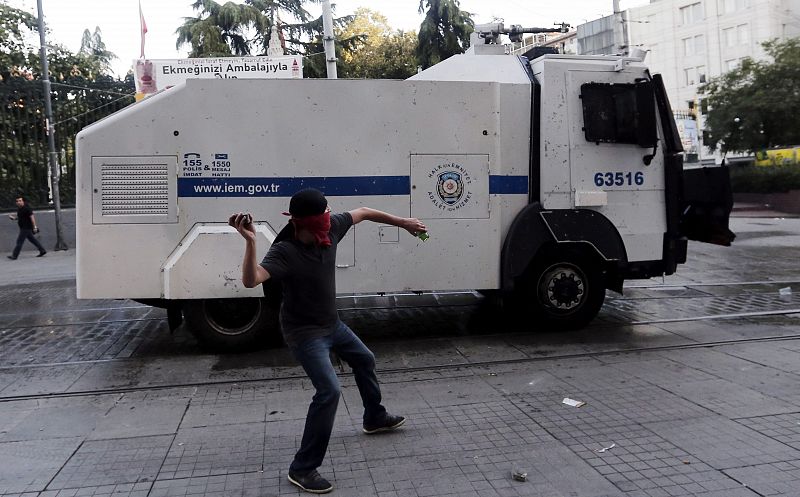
<point x="382" y="371"/>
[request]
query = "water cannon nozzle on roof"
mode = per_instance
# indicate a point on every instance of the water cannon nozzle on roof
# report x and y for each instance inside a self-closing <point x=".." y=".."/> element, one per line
<point x="491" y="32"/>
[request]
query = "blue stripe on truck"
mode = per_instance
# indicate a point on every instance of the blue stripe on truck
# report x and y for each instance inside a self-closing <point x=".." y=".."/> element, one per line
<point x="505" y="185"/>
<point x="337" y="186"/>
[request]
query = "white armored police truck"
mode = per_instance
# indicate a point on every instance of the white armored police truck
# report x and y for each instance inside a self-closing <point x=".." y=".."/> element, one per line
<point x="550" y="180"/>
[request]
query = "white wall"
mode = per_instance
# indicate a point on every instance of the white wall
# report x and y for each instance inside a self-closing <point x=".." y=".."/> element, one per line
<point x="791" y="20"/>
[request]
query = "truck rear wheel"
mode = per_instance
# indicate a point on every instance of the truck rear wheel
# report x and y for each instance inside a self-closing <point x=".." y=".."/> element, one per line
<point x="566" y="290"/>
<point x="232" y="325"/>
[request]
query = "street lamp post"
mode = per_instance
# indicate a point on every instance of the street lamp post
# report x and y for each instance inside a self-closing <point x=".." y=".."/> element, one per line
<point x="55" y="172"/>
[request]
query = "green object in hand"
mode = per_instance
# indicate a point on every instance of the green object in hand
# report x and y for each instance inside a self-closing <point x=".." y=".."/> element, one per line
<point x="423" y="235"/>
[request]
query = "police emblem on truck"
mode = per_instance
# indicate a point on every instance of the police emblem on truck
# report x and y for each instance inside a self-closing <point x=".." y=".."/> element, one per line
<point x="450" y="187"/>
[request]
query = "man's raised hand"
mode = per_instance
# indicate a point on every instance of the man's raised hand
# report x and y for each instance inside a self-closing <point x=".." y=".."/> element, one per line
<point x="243" y="224"/>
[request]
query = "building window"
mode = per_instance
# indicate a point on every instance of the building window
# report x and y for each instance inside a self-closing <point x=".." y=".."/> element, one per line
<point x="694" y="75"/>
<point x="730" y="6"/>
<point x="692" y="13"/>
<point x="743" y="32"/>
<point x="694" y="45"/>
<point x="700" y="44"/>
<point x="739" y="35"/>
<point x="732" y="64"/>
<point x="729" y="35"/>
<point x="690" y="76"/>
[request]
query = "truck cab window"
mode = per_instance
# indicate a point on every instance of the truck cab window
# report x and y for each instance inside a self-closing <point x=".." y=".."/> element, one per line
<point x="619" y="113"/>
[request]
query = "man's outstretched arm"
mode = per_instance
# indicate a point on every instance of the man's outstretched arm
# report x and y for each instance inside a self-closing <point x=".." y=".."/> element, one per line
<point x="410" y="224"/>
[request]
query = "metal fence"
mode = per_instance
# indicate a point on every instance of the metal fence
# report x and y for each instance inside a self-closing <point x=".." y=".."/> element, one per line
<point x="77" y="102"/>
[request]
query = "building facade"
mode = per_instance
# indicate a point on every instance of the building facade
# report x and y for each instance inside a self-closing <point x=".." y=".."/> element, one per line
<point x="563" y="43"/>
<point x="597" y="37"/>
<point x="692" y="41"/>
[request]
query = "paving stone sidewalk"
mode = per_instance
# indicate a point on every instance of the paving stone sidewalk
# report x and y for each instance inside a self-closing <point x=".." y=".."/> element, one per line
<point x="89" y="406"/>
<point x="678" y="423"/>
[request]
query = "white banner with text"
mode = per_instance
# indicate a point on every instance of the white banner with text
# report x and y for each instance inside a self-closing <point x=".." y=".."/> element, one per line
<point x="153" y="75"/>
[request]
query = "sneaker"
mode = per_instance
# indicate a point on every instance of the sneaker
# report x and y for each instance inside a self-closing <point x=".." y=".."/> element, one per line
<point x="388" y="423"/>
<point x="311" y="482"/>
<point x="41" y="254"/>
<point x="11" y="257"/>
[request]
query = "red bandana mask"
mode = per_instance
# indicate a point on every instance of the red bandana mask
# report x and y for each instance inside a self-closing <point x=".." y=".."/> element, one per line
<point x="319" y="226"/>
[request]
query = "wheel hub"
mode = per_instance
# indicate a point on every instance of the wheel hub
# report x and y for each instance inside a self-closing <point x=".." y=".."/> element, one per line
<point x="564" y="288"/>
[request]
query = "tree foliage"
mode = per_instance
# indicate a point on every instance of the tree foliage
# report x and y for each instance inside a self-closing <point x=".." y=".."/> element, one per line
<point x="243" y="29"/>
<point x="756" y="105"/>
<point x="219" y="30"/>
<point x="444" y="31"/>
<point x="20" y="58"/>
<point x="15" y="26"/>
<point x="381" y="53"/>
<point x="93" y="47"/>
<point x="82" y="92"/>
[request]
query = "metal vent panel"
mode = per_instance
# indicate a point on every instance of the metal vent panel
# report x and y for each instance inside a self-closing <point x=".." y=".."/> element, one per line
<point x="134" y="190"/>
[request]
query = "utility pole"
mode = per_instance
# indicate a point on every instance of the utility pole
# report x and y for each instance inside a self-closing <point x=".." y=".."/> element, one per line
<point x="327" y="38"/>
<point x="619" y="27"/>
<point x="55" y="172"/>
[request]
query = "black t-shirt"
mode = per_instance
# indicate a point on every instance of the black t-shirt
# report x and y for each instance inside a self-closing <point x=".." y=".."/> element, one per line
<point x="307" y="274"/>
<point x="24" y="220"/>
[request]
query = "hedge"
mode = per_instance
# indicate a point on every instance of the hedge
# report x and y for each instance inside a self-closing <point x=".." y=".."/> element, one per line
<point x="765" y="179"/>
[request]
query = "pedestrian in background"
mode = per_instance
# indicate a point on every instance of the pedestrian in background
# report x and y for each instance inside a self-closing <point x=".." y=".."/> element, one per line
<point x="27" y="228"/>
<point x="304" y="263"/>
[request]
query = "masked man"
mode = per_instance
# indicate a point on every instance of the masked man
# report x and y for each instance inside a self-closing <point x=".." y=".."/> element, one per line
<point x="304" y="263"/>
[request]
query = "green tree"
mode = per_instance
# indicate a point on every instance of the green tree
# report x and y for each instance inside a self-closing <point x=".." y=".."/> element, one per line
<point x="20" y="58"/>
<point x="303" y="37"/>
<point x="15" y="26"/>
<point x="756" y="105"/>
<point x="244" y="29"/>
<point x="82" y="92"/>
<point x="380" y="53"/>
<point x="219" y="29"/>
<point x="93" y="47"/>
<point x="444" y="31"/>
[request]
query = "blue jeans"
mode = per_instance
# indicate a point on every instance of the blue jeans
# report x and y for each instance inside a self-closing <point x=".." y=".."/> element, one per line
<point x="26" y="234"/>
<point x="314" y="356"/>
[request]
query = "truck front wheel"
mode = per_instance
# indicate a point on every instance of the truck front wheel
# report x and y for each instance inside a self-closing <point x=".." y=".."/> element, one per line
<point x="566" y="290"/>
<point x="232" y="325"/>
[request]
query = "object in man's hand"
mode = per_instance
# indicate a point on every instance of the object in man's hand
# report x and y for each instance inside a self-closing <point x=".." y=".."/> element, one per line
<point x="423" y="235"/>
<point x="35" y="231"/>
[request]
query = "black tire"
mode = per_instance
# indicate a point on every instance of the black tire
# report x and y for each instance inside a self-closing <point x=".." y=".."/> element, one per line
<point x="564" y="289"/>
<point x="233" y="325"/>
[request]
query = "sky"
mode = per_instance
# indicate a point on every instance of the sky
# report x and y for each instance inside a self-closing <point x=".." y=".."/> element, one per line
<point x="119" y="19"/>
